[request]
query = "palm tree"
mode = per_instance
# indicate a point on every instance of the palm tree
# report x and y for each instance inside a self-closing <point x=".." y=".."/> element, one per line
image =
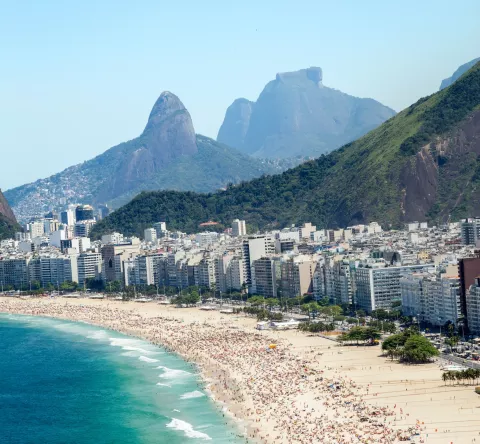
<point x="445" y="375"/>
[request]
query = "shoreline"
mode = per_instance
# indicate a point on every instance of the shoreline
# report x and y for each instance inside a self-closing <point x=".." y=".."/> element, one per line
<point x="206" y="382"/>
<point x="307" y="387"/>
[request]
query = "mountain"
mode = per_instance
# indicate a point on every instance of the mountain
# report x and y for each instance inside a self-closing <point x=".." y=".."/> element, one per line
<point x="458" y="73"/>
<point x="8" y="223"/>
<point x="167" y="155"/>
<point x="296" y="115"/>
<point x="236" y="122"/>
<point x="422" y="164"/>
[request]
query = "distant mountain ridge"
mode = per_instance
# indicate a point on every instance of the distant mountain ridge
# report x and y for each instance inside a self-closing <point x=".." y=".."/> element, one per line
<point x="167" y="155"/>
<point x="423" y="164"/>
<point x="458" y="73"/>
<point x="296" y="115"/>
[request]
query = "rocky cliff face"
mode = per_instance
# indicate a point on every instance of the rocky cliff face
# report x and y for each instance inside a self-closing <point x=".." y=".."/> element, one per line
<point x="235" y="126"/>
<point x="296" y="115"/>
<point x="8" y="223"/>
<point x="458" y="73"/>
<point x="5" y="209"/>
<point x="444" y="177"/>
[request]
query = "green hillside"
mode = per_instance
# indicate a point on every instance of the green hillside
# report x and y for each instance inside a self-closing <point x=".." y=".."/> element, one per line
<point x="7" y="228"/>
<point x="419" y="164"/>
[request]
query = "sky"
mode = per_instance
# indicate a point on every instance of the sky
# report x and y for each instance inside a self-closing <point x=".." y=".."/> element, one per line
<point x="77" y="78"/>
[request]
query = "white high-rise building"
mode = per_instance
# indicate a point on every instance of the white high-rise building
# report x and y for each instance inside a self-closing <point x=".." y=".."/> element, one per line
<point x="112" y="238"/>
<point x="150" y="235"/>
<point x="89" y="266"/>
<point x="254" y="248"/>
<point x="239" y="228"/>
<point x="37" y="229"/>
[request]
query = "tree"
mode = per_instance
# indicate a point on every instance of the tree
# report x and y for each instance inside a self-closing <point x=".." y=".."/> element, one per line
<point x="418" y="349"/>
<point x="271" y="302"/>
<point x="256" y="301"/>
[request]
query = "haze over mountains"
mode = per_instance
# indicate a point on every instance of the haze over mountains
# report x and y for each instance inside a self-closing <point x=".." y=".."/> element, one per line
<point x="167" y="155"/>
<point x="458" y="73"/>
<point x="296" y="115"/>
<point x="422" y="164"/>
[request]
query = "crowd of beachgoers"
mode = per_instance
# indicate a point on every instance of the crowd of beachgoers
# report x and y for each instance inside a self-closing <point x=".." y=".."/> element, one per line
<point x="276" y="394"/>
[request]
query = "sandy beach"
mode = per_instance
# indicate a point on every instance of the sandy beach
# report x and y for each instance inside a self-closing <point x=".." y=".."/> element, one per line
<point x="307" y="390"/>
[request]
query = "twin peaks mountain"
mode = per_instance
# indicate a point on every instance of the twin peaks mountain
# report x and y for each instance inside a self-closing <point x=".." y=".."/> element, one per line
<point x="8" y="223"/>
<point x="296" y="115"/>
<point x="422" y="164"/>
<point x="167" y="155"/>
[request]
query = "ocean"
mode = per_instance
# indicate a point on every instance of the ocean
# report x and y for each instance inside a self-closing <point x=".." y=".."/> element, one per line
<point x="65" y="382"/>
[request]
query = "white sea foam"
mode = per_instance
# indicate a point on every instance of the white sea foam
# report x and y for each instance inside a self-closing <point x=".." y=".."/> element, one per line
<point x="170" y="373"/>
<point x="98" y="334"/>
<point x="145" y="359"/>
<point x="163" y="385"/>
<point x="133" y="345"/>
<point x="191" y="395"/>
<point x="187" y="429"/>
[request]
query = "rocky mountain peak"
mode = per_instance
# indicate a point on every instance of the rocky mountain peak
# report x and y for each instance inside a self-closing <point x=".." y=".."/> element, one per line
<point x="314" y="74"/>
<point x="167" y="105"/>
<point x="235" y="126"/>
<point x="297" y="116"/>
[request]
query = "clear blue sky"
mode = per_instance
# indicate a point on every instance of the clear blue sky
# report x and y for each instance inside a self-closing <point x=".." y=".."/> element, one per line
<point x="79" y="77"/>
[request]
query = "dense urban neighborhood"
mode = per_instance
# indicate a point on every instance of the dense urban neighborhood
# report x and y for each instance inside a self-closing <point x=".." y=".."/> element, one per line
<point x="429" y="275"/>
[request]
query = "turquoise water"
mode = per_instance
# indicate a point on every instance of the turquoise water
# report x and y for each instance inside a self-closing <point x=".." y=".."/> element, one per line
<point x="64" y="382"/>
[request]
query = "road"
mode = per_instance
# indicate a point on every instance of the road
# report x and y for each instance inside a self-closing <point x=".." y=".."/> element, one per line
<point x="461" y="361"/>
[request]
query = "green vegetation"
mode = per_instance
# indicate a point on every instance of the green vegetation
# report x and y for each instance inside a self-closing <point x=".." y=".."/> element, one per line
<point x="468" y="374"/>
<point x="262" y="314"/>
<point x="409" y="346"/>
<point x="316" y="327"/>
<point x="360" y="182"/>
<point x="7" y="228"/>
<point x="368" y="335"/>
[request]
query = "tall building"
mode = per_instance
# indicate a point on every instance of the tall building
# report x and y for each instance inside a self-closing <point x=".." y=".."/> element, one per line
<point x="67" y="217"/>
<point x="239" y="228"/>
<point x="14" y="273"/>
<point x="266" y="275"/>
<point x="254" y="248"/>
<point x="83" y="228"/>
<point x="56" y="270"/>
<point x="379" y="287"/>
<point x="84" y="212"/>
<point x="235" y="274"/>
<point x="473" y="308"/>
<point x="150" y="235"/>
<point x="144" y="270"/>
<point x="160" y="228"/>
<point x="114" y="257"/>
<point x="468" y="270"/>
<point x="89" y="266"/>
<point x="206" y="238"/>
<point x="470" y="229"/>
<point x="297" y="276"/>
<point x="37" y="229"/>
